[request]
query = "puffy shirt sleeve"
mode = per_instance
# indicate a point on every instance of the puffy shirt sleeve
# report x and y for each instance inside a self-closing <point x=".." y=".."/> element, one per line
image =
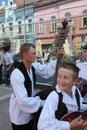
<point x="45" y="70"/>
<point x="25" y="103"/>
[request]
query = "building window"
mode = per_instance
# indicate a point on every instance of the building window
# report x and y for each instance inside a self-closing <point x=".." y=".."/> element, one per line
<point x="41" y="26"/>
<point x="84" y="19"/>
<point x="18" y="18"/>
<point x="19" y="27"/>
<point x="85" y="22"/>
<point x="3" y="29"/>
<point x="10" y="26"/>
<point x="53" y="23"/>
<point x="68" y="15"/>
<point x="30" y="26"/>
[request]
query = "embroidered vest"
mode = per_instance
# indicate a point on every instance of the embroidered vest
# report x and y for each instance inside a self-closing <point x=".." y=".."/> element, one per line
<point x="27" y="82"/>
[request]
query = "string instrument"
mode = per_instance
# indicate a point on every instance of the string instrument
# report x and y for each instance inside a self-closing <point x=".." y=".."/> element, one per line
<point x="82" y="85"/>
<point x="59" y="44"/>
<point x="71" y="116"/>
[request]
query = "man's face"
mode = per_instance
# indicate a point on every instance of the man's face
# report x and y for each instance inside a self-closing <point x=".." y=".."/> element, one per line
<point x="65" y="79"/>
<point x="30" y="55"/>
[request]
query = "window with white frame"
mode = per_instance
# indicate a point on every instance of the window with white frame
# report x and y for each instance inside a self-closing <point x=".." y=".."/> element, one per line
<point x="30" y="26"/>
<point x="41" y="26"/>
<point x="70" y="28"/>
<point x="84" y="19"/>
<point x="19" y="27"/>
<point x="53" y="28"/>
<point x="3" y="29"/>
<point x="10" y="26"/>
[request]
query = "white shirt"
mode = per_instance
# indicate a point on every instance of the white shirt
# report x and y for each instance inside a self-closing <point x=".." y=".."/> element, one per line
<point x="21" y="106"/>
<point x="83" y="70"/>
<point x="83" y="74"/>
<point x="45" y="70"/>
<point x="8" y="58"/>
<point x="47" y="120"/>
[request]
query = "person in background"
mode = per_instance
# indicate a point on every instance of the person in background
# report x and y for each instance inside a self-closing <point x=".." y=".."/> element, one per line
<point x="39" y="57"/>
<point x="61" y="100"/>
<point x="83" y="71"/>
<point x="23" y="80"/>
<point x="1" y="63"/>
<point x="46" y="54"/>
<point x="9" y="64"/>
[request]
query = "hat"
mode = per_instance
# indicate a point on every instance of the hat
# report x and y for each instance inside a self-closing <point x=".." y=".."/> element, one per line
<point x="84" y="47"/>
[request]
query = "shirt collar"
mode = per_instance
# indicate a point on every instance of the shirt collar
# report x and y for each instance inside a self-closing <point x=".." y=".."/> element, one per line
<point x="85" y="63"/>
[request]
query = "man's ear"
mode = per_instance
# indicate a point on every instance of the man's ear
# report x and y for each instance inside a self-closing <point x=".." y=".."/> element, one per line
<point x="76" y="81"/>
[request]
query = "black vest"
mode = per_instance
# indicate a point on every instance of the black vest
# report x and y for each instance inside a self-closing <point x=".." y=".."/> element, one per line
<point x="61" y="108"/>
<point x="27" y="82"/>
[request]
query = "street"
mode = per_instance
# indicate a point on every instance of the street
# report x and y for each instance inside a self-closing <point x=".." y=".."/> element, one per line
<point x="5" y="93"/>
<point x="4" y="116"/>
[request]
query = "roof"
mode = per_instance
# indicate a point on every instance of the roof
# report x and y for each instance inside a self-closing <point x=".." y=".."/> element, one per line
<point x="22" y="2"/>
<point x="47" y="2"/>
<point x="36" y="2"/>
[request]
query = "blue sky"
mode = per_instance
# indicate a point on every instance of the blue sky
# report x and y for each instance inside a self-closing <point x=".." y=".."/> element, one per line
<point x="6" y="1"/>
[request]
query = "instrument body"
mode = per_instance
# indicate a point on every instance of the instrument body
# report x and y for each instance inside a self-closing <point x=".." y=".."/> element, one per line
<point x="71" y="116"/>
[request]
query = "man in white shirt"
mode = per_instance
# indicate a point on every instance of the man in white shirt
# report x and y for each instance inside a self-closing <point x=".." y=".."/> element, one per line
<point x="83" y="69"/>
<point x="23" y="80"/>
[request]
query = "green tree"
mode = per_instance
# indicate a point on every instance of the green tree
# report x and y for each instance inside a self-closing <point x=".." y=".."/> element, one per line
<point x="53" y="48"/>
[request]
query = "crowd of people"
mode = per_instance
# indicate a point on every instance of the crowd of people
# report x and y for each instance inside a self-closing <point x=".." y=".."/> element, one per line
<point x="64" y="98"/>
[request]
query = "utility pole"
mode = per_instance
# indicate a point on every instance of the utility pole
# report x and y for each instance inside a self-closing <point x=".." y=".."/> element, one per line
<point x="24" y="3"/>
<point x="24" y="23"/>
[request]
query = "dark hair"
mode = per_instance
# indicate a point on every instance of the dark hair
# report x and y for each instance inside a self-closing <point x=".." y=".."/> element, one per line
<point x="70" y="66"/>
<point x="6" y="48"/>
<point x="84" y="47"/>
<point x="25" y="47"/>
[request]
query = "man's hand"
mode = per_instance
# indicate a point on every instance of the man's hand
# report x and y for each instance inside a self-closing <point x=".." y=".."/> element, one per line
<point x="78" y="123"/>
<point x="60" y="51"/>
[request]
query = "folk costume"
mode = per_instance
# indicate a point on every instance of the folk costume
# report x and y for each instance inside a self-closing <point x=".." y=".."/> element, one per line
<point x="48" y="114"/>
<point x="22" y="102"/>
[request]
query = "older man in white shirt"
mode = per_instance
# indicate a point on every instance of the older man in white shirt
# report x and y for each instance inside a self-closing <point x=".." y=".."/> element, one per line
<point x="83" y="70"/>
